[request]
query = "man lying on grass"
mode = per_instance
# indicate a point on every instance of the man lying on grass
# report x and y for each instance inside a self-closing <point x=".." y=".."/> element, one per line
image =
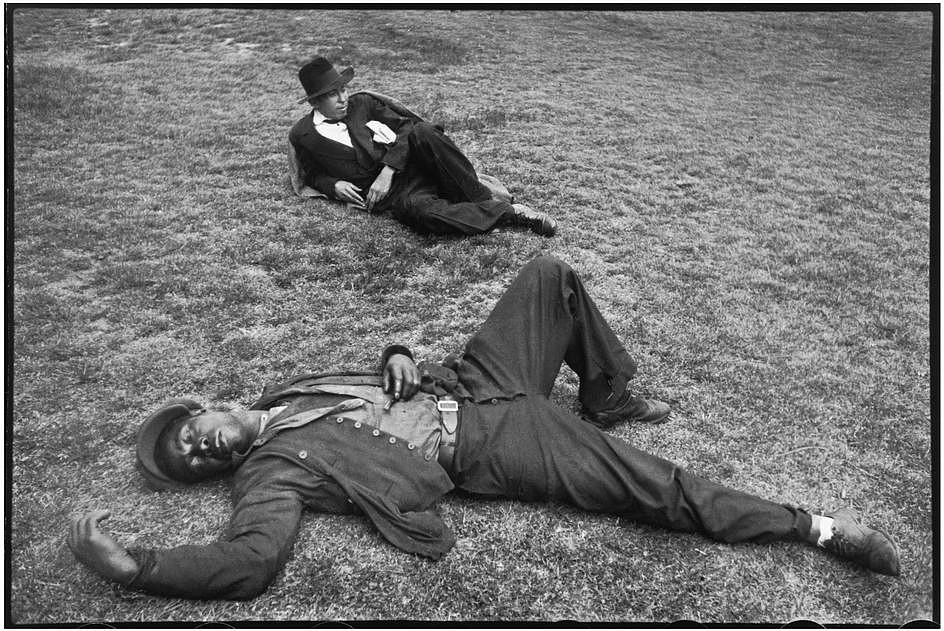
<point x="361" y="150"/>
<point x="389" y="445"/>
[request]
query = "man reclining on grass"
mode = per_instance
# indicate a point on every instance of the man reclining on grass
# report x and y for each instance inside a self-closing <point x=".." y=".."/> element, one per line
<point x="390" y="445"/>
<point x="369" y="151"/>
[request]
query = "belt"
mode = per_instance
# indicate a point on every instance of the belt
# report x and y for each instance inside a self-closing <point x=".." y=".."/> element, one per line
<point x="449" y="419"/>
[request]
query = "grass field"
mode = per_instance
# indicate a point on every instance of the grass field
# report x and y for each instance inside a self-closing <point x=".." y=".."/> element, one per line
<point x="747" y="195"/>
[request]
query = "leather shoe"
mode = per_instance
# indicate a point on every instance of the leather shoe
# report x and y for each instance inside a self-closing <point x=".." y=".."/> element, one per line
<point x="866" y="546"/>
<point x="539" y="223"/>
<point x="631" y="408"/>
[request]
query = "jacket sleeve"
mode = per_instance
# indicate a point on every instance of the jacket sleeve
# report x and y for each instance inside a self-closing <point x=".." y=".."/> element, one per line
<point x="309" y="171"/>
<point x="241" y="565"/>
<point x="398" y="153"/>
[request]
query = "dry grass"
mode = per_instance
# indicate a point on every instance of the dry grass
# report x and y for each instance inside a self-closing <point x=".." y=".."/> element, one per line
<point x="747" y="194"/>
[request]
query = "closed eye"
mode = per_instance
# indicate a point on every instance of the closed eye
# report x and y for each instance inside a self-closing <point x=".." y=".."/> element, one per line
<point x="184" y="440"/>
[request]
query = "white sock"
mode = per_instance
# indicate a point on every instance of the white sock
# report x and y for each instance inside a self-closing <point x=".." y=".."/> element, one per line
<point x="825" y="527"/>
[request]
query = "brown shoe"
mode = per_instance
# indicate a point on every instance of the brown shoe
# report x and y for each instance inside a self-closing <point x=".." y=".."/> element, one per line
<point x="539" y="223"/>
<point x="633" y="409"/>
<point x="866" y="546"/>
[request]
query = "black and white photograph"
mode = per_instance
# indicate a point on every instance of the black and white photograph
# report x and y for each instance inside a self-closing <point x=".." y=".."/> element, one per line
<point x="471" y="315"/>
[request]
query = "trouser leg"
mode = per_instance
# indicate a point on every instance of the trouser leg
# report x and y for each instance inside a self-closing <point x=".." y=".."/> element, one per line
<point x="440" y="193"/>
<point x="545" y="317"/>
<point x="418" y="204"/>
<point x="531" y="449"/>
<point x="445" y="163"/>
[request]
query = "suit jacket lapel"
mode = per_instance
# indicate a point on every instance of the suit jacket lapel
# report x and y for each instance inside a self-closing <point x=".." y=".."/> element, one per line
<point x="361" y="137"/>
<point x="321" y="146"/>
<point x="366" y="154"/>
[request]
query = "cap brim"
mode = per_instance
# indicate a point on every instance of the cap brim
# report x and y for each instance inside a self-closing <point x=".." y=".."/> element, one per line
<point x="148" y="434"/>
<point x="346" y="75"/>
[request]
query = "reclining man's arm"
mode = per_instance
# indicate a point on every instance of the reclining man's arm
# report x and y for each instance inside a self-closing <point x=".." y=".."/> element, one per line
<point x="239" y="566"/>
<point x="398" y="152"/>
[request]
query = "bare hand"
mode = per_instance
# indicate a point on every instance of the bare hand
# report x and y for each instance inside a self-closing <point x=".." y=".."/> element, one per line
<point x="401" y="377"/>
<point x="380" y="187"/>
<point x="98" y="550"/>
<point x="349" y="193"/>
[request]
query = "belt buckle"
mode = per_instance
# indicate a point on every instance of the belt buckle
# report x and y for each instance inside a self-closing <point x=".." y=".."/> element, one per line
<point x="448" y="414"/>
<point x="447" y="406"/>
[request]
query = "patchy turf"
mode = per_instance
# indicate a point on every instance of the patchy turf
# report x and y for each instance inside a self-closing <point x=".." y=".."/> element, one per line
<point x="746" y="194"/>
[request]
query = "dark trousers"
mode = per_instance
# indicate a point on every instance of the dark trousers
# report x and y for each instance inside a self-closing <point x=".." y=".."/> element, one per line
<point x="439" y="191"/>
<point x="514" y="442"/>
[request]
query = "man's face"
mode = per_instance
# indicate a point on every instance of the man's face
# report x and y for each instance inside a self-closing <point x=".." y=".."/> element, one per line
<point x="333" y="104"/>
<point x="202" y="446"/>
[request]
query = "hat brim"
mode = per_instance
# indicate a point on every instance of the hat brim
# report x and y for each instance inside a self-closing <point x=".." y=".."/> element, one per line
<point x="148" y="434"/>
<point x="345" y="77"/>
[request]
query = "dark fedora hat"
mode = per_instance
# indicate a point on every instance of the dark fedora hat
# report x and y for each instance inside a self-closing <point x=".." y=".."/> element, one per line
<point x="150" y="432"/>
<point x="319" y="76"/>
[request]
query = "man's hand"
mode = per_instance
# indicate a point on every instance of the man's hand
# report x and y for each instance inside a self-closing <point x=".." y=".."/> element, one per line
<point x="348" y="192"/>
<point x="401" y="378"/>
<point x="98" y="550"/>
<point x="380" y="187"/>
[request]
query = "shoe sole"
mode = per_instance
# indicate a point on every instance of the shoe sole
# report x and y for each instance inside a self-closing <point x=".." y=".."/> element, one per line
<point x="656" y="421"/>
<point x="611" y="423"/>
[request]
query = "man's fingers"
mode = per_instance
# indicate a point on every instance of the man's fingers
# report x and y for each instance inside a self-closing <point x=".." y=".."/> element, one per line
<point x="73" y="533"/>
<point x="100" y="514"/>
<point x="372" y="198"/>
<point x="410" y="383"/>
<point x="349" y="193"/>
<point x="88" y="524"/>
<point x="95" y="518"/>
<point x="84" y="526"/>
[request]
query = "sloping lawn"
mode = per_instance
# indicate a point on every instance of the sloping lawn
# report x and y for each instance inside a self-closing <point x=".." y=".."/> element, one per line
<point x="747" y="195"/>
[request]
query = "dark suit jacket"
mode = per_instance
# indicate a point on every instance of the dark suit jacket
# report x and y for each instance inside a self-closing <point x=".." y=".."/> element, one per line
<point x="326" y="161"/>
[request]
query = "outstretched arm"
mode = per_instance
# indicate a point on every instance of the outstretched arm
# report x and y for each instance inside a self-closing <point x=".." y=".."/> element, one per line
<point x="241" y="565"/>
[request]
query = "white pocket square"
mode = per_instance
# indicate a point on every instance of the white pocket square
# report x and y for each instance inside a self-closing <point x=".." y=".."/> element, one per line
<point x="382" y="134"/>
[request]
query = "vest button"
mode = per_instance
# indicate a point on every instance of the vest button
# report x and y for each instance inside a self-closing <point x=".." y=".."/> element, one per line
<point x="494" y="401"/>
<point x="376" y="432"/>
<point x="392" y="441"/>
<point x="411" y="446"/>
<point x="427" y="457"/>
<point x="358" y="424"/>
<point x="339" y="420"/>
<point x="302" y="454"/>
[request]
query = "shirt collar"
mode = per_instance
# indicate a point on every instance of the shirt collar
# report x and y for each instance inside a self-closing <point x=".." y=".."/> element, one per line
<point x="317" y="118"/>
